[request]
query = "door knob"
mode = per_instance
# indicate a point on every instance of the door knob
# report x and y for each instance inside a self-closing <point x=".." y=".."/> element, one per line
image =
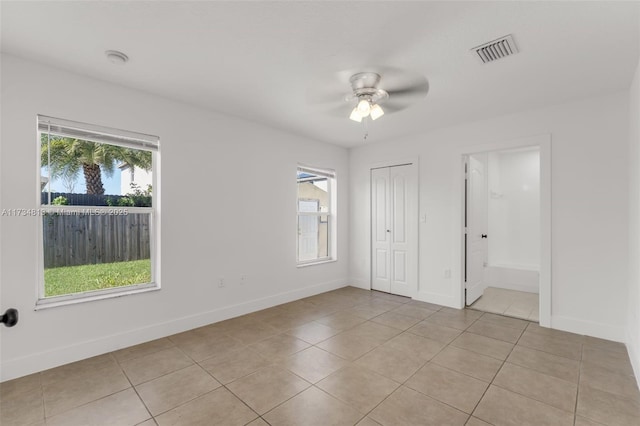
<point x="484" y="235"/>
<point x="10" y="317"/>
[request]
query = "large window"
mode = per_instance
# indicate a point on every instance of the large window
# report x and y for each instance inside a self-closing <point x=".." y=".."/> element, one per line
<point x="316" y="215"/>
<point x="98" y="195"/>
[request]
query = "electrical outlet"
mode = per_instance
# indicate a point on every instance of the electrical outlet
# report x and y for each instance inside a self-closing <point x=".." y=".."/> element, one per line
<point x="243" y="279"/>
<point x="221" y="282"/>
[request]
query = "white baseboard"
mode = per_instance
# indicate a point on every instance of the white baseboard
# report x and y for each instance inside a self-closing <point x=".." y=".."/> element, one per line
<point x="14" y="368"/>
<point x="439" y="299"/>
<point x="589" y="328"/>
<point x="360" y="283"/>
<point x="634" y="354"/>
<point x="512" y="278"/>
<point x="516" y="287"/>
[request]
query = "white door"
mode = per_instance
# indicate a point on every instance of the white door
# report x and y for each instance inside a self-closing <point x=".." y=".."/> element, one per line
<point x="394" y="223"/>
<point x="477" y="224"/>
<point x="308" y="231"/>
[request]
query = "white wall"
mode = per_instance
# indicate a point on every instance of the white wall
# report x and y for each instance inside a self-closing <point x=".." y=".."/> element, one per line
<point x="589" y="207"/>
<point x="210" y="227"/>
<point x="514" y="208"/>
<point x="633" y="320"/>
<point x="141" y="178"/>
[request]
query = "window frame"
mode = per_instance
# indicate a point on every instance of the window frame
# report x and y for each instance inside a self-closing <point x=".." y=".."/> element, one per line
<point x="331" y="215"/>
<point x="112" y="136"/>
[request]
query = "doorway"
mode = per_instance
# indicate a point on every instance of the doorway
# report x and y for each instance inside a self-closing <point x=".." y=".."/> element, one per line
<point x="394" y="229"/>
<point x="502" y="232"/>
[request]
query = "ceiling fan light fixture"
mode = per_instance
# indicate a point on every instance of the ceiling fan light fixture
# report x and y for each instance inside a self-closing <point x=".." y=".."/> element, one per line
<point x="355" y="115"/>
<point x="364" y="107"/>
<point x="376" y="111"/>
<point x="371" y="98"/>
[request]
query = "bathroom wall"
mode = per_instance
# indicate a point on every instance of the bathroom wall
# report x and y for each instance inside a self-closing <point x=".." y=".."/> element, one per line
<point x="514" y="209"/>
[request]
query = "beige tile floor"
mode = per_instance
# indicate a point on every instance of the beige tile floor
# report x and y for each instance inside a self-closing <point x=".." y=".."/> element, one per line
<point x="517" y="304"/>
<point x="346" y="357"/>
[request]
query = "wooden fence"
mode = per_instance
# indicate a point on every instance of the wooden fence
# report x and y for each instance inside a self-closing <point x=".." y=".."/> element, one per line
<point x="84" y="239"/>
<point x="74" y="199"/>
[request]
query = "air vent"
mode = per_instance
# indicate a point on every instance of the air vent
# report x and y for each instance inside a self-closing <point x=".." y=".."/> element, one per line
<point x="496" y="49"/>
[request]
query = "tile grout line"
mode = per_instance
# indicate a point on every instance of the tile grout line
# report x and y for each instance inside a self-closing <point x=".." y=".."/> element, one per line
<point x="94" y="400"/>
<point x="44" y="407"/>
<point x="270" y="365"/>
<point x="553" y="338"/>
<point x="412" y="375"/>
<point x="223" y="385"/>
<point x="497" y="372"/>
<point x="349" y="362"/>
<point x="133" y="387"/>
<point x="166" y="374"/>
<point x="242" y="400"/>
<point x="543" y="373"/>
<point x="575" y="416"/>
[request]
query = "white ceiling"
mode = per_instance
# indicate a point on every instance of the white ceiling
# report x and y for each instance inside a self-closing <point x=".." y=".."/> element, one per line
<point x="258" y="60"/>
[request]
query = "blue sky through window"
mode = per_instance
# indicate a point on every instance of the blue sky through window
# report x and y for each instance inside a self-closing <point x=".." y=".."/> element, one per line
<point x="111" y="183"/>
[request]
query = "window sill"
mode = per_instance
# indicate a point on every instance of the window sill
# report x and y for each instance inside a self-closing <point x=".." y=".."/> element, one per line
<point x="318" y="262"/>
<point x="54" y="302"/>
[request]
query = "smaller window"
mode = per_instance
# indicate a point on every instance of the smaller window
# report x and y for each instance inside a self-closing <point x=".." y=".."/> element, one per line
<point x="316" y="215"/>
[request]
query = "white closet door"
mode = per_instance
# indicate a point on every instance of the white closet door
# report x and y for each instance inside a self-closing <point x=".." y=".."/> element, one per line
<point x="380" y="231"/>
<point x="394" y="230"/>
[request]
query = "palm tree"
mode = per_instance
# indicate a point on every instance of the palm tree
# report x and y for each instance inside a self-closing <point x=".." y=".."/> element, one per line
<point x="67" y="156"/>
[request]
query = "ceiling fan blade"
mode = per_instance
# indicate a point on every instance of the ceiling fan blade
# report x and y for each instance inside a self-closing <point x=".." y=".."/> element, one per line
<point x="327" y="96"/>
<point x="402" y="100"/>
<point x="406" y="97"/>
<point x="334" y="88"/>
<point x="397" y="79"/>
<point x="333" y="93"/>
<point x="418" y="90"/>
<point x="341" y="111"/>
<point x="390" y="107"/>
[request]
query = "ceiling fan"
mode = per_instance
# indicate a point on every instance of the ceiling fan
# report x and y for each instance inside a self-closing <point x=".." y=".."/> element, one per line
<point x="366" y="96"/>
<point x="373" y="92"/>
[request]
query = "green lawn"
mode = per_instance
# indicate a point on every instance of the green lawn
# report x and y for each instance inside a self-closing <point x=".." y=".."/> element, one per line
<point x="75" y="279"/>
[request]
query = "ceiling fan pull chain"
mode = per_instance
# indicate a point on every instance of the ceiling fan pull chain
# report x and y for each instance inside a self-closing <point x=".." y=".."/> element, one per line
<point x="365" y="128"/>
